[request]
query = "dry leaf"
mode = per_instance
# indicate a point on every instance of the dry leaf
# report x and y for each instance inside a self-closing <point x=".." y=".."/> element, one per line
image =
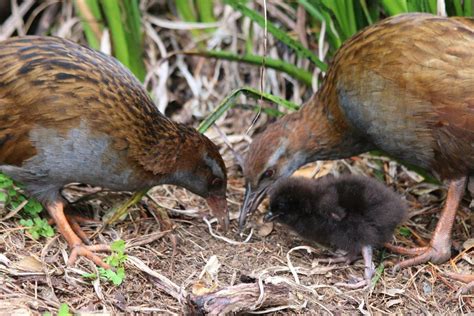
<point x="29" y="264"/>
<point x="207" y="282"/>
<point x="393" y="292"/>
<point x="393" y="302"/>
<point x="201" y="288"/>
<point x="265" y="229"/>
<point x="468" y="244"/>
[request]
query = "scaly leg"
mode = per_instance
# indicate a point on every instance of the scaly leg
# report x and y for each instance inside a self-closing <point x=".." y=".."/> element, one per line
<point x="439" y="249"/>
<point x="369" y="265"/>
<point x="74" y="221"/>
<point x="56" y="210"/>
<point x="368" y="272"/>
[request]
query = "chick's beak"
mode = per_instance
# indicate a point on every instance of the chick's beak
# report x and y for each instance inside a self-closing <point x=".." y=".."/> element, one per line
<point x="218" y="206"/>
<point x="251" y="201"/>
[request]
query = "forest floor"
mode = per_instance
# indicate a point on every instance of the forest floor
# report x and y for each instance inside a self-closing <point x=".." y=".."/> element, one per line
<point x="172" y="260"/>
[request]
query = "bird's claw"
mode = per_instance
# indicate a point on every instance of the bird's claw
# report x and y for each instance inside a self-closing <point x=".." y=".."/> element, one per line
<point x="422" y="255"/>
<point x="88" y="252"/>
<point x="358" y="284"/>
<point x="465" y="289"/>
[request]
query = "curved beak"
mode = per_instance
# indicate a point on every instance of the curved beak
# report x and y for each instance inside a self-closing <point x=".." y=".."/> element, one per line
<point x="251" y="201"/>
<point x="218" y="206"/>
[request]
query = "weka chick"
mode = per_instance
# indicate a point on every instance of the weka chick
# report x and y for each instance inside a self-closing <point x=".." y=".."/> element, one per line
<point x="403" y="85"/>
<point x="72" y="114"/>
<point x="351" y="213"/>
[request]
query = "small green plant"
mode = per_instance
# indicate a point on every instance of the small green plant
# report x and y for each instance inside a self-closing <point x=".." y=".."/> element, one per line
<point x="117" y="261"/>
<point x="404" y="231"/>
<point x="64" y="310"/>
<point x="38" y="227"/>
<point x="12" y="198"/>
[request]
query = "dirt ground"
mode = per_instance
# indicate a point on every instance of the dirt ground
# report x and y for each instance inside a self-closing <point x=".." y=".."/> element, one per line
<point x="162" y="279"/>
<point x="174" y="260"/>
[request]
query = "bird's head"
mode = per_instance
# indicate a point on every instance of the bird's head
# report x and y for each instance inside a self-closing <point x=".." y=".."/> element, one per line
<point x="289" y="201"/>
<point x="202" y="171"/>
<point x="271" y="156"/>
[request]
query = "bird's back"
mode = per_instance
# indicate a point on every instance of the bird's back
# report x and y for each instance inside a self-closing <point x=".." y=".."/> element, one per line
<point x="77" y="114"/>
<point x="407" y="84"/>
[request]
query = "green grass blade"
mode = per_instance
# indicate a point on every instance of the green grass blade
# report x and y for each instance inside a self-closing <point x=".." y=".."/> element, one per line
<point x="114" y="20"/>
<point x="90" y="15"/>
<point x="187" y="13"/>
<point x="249" y="40"/>
<point x="205" y="11"/>
<point x="468" y="7"/>
<point x="277" y="64"/>
<point x="458" y="8"/>
<point x="394" y="7"/>
<point x="277" y="33"/>
<point x="134" y="37"/>
<point x="312" y="10"/>
<point x="363" y="4"/>
<point x="228" y="103"/>
<point x="343" y="10"/>
<point x="185" y="10"/>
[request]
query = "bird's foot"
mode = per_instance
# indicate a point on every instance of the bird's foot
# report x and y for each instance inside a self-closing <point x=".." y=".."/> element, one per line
<point x="354" y="283"/>
<point x="338" y="259"/>
<point x="439" y="249"/>
<point x="466" y="288"/>
<point x="465" y="278"/>
<point x="422" y="255"/>
<point x="75" y="221"/>
<point x="69" y="228"/>
<point x="88" y="252"/>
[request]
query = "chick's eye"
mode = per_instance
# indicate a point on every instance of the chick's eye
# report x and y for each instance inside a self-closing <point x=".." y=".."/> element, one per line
<point x="268" y="173"/>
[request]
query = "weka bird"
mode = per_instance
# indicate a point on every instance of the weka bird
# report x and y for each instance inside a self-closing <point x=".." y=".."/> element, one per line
<point x="403" y="85"/>
<point x="71" y="114"/>
<point x="351" y="213"/>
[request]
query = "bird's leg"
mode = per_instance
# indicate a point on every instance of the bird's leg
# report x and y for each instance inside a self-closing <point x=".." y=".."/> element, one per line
<point x="74" y="221"/>
<point x="439" y="249"/>
<point x="369" y="265"/>
<point x="56" y="211"/>
<point x="368" y="271"/>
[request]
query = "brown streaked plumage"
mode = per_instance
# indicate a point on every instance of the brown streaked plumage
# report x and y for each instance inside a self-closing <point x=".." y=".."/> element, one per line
<point x="403" y="85"/>
<point x="72" y="114"/>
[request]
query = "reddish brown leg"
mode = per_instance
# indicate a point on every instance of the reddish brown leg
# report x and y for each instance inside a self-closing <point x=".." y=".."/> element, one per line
<point x="405" y="251"/>
<point x="439" y="249"/>
<point x="56" y="210"/>
<point x="79" y="232"/>
<point x="74" y="221"/>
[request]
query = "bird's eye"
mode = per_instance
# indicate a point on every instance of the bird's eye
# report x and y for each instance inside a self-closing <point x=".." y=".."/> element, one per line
<point x="216" y="182"/>
<point x="268" y="174"/>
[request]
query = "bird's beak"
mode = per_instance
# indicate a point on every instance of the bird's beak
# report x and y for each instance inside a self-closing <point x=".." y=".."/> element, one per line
<point x="218" y="206"/>
<point x="251" y="201"/>
<point x="269" y="217"/>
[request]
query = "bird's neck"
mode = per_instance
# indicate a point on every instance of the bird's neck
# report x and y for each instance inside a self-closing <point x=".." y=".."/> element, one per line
<point x="319" y="131"/>
<point x="171" y="148"/>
